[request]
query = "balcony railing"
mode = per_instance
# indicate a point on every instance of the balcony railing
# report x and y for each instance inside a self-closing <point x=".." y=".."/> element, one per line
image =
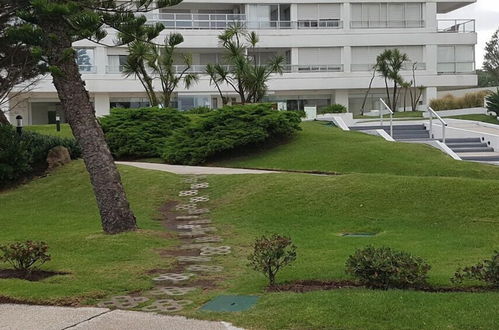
<point x="405" y="67"/>
<point x="86" y="69"/>
<point x="387" y="24"/>
<point x="456" y="25"/>
<point x="456" y="67"/>
<point x="288" y="68"/>
<point x="178" y="21"/>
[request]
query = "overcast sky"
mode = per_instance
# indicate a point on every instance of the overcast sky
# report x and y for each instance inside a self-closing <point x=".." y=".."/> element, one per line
<point x="486" y="14"/>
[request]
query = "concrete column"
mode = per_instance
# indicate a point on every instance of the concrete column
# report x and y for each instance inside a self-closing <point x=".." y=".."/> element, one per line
<point x="345" y="15"/>
<point x="431" y="58"/>
<point x="431" y="93"/>
<point x="100" y="59"/>
<point x="295" y="58"/>
<point x="101" y="102"/>
<point x="430" y="16"/>
<point x="341" y="97"/>
<point x="294" y="13"/>
<point x="346" y="58"/>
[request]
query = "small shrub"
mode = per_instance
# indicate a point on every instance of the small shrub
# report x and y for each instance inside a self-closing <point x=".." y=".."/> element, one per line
<point x="384" y="268"/>
<point x="271" y="254"/>
<point x="486" y="271"/>
<point x="493" y="102"/>
<point x="25" y="256"/>
<point x="228" y="129"/>
<point x="137" y="133"/>
<point x="198" y="110"/>
<point x="333" y="108"/>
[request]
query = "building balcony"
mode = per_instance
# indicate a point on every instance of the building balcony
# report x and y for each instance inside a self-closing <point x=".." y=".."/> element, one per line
<point x="467" y="67"/>
<point x="456" y="25"/>
<point x="182" y="21"/>
<point x="406" y="67"/>
<point x="387" y="24"/>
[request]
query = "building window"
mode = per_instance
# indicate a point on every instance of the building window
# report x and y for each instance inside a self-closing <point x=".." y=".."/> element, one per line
<point x="116" y="63"/>
<point x="456" y="59"/>
<point x="129" y="102"/>
<point x="85" y="60"/>
<point x="364" y="58"/>
<point x="387" y="15"/>
<point x="269" y="16"/>
<point x="319" y="16"/>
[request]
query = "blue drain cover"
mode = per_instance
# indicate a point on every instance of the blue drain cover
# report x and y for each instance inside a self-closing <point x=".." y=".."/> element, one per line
<point x="358" y="234"/>
<point x="230" y="303"/>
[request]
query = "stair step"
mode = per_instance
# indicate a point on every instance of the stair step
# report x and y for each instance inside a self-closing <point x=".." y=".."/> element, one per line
<point x="481" y="156"/>
<point x="479" y="149"/>
<point x="462" y="140"/>
<point x="467" y="145"/>
<point x="387" y="127"/>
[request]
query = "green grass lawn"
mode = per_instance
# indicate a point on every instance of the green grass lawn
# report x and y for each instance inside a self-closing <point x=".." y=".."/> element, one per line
<point x="61" y="210"/>
<point x="51" y="130"/>
<point x="320" y="147"/>
<point x="483" y="118"/>
<point x="398" y="114"/>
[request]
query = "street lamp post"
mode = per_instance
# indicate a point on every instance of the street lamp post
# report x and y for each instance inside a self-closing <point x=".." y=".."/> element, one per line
<point x="19" y="128"/>
<point x="58" y="122"/>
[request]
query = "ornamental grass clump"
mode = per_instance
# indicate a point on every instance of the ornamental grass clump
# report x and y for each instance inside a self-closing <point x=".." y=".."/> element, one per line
<point x="486" y="271"/>
<point x="384" y="268"/>
<point x="25" y="256"/>
<point x="271" y="254"/>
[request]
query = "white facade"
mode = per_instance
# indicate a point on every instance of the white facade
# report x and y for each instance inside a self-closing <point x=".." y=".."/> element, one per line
<point x="330" y="47"/>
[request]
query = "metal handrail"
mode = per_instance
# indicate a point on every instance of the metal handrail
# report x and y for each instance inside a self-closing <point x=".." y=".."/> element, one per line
<point x="456" y="25"/>
<point x="391" y="116"/>
<point x="444" y="123"/>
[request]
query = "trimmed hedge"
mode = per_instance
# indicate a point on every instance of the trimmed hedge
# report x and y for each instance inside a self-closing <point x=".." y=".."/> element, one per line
<point x="19" y="154"/>
<point x="227" y="129"/>
<point x="138" y="133"/>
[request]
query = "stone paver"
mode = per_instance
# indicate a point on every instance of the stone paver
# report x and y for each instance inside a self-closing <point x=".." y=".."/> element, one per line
<point x="171" y="291"/>
<point x="193" y="246"/>
<point x="199" y="222"/>
<point x="202" y="185"/>
<point x="205" y="268"/>
<point x="199" y="199"/>
<point x="208" y="239"/>
<point x="198" y="211"/>
<point x="187" y="170"/>
<point x="123" y="302"/>
<point x="215" y="250"/>
<point x="186" y="193"/>
<point x="167" y="305"/>
<point x="173" y="277"/>
<point x="186" y="217"/>
<point x="189" y="259"/>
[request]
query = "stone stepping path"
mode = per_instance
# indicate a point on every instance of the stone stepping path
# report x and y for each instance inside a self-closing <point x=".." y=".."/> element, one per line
<point x="172" y="291"/>
<point x="123" y="302"/>
<point x="196" y="230"/>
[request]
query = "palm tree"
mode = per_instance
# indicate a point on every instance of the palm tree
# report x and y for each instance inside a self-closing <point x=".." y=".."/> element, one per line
<point x="389" y="64"/>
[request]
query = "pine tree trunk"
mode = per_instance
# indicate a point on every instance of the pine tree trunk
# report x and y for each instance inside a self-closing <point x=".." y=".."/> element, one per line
<point x="115" y="212"/>
<point x="3" y="118"/>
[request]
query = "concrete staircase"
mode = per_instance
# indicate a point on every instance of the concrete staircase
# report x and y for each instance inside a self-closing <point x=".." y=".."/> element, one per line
<point x="472" y="149"/>
<point x="400" y="132"/>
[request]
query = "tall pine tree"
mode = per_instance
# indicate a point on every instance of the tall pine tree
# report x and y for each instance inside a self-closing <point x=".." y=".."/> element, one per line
<point x="49" y="28"/>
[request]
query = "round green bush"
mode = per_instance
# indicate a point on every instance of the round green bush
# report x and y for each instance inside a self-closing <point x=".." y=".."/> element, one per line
<point x="384" y="268"/>
<point x="333" y="108"/>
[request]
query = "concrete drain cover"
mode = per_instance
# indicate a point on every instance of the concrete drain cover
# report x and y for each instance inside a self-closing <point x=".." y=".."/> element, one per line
<point x="230" y="303"/>
<point x="205" y="268"/>
<point x="186" y="259"/>
<point x="173" y="277"/>
<point x="358" y="234"/>
<point x="172" y="291"/>
<point x="200" y="185"/>
<point x="199" y="199"/>
<point x="197" y="211"/>
<point x="188" y="193"/>
<point x="123" y="302"/>
<point x="208" y="239"/>
<point x="167" y="305"/>
<point x="215" y="250"/>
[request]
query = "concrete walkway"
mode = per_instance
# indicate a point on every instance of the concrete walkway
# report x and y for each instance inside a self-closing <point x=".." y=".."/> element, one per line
<point x="193" y="170"/>
<point x="26" y="317"/>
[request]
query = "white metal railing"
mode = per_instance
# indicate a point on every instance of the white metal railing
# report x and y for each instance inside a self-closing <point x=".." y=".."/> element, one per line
<point x="391" y="116"/>
<point x="405" y="67"/>
<point x="456" y="67"/>
<point x="444" y="123"/>
<point x="456" y="25"/>
<point x="387" y="24"/>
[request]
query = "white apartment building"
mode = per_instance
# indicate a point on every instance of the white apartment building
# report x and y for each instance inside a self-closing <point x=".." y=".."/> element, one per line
<point x="330" y="47"/>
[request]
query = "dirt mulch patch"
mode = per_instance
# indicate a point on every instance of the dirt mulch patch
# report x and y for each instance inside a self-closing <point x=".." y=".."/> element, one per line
<point x="316" y="285"/>
<point x="34" y="276"/>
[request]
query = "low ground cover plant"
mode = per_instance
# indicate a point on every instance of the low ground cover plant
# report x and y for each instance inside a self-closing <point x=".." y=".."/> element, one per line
<point x="25" y="256"/>
<point x="20" y="154"/>
<point x="384" y="268"/>
<point x="228" y="129"/>
<point x="451" y="102"/>
<point x="486" y="271"/>
<point x="271" y="254"/>
<point x="333" y="108"/>
<point x="138" y="133"/>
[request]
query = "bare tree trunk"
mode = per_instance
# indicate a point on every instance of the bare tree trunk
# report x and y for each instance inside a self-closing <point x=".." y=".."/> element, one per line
<point x="3" y="118"/>
<point x="388" y="92"/>
<point x="115" y="212"/>
<point x="362" y="110"/>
